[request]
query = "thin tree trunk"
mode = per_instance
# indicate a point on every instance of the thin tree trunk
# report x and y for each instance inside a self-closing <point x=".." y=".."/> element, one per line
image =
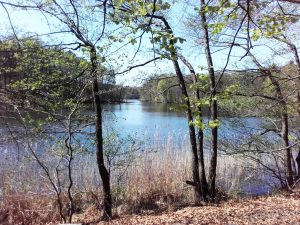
<point x="298" y="101"/>
<point x="288" y="153"/>
<point x="105" y="176"/>
<point x="192" y="134"/>
<point x="213" y="107"/>
<point x="284" y="128"/>
<point x="284" y="120"/>
<point x="200" y="135"/>
<point x="298" y="164"/>
<point x="195" y="159"/>
<point x="298" y="156"/>
<point x="297" y="60"/>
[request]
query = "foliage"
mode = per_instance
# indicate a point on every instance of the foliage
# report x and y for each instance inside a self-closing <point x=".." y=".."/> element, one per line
<point x="45" y="77"/>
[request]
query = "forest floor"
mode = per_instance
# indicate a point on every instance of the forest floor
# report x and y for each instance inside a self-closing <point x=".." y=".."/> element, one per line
<point x="278" y="209"/>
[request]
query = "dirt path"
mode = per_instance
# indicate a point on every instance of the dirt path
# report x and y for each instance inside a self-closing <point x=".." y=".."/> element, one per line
<point x="264" y="210"/>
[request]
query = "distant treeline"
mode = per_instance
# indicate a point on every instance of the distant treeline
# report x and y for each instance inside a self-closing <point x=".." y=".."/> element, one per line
<point x="240" y="93"/>
<point x="31" y="68"/>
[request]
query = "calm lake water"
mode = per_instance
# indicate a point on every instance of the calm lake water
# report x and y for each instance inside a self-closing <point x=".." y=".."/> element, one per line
<point x="157" y="119"/>
<point x="154" y="124"/>
<point x="146" y="120"/>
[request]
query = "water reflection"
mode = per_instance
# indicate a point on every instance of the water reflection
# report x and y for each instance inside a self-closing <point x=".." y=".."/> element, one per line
<point x="157" y="118"/>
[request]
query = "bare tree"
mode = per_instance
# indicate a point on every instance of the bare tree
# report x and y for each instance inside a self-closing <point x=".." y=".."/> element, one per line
<point x="282" y="102"/>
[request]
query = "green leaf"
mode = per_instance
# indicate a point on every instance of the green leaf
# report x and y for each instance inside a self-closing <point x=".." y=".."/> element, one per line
<point x="256" y="34"/>
<point x="214" y="123"/>
<point x="143" y="11"/>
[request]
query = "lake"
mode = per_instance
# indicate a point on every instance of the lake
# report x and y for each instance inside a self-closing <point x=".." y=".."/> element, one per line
<point x="147" y="119"/>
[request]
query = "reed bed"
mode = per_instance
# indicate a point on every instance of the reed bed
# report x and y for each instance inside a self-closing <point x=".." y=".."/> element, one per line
<point x="152" y="180"/>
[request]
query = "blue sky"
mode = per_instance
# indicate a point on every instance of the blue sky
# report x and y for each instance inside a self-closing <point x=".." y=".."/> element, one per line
<point x="34" y="22"/>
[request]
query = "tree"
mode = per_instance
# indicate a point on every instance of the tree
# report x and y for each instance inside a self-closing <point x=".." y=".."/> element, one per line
<point x="165" y="37"/>
<point x="295" y="78"/>
<point x="199" y="124"/>
<point x="45" y="82"/>
<point x="241" y="24"/>
<point x="284" y="119"/>
<point x="275" y="25"/>
<point x="214" y="107"/>
<point x="73" y="16"/>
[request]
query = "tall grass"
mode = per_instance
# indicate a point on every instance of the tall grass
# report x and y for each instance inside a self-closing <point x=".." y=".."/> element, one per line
<point x="153" y="180"/>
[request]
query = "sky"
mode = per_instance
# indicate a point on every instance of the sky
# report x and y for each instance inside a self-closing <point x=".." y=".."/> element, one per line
<point x="35" y="23"/>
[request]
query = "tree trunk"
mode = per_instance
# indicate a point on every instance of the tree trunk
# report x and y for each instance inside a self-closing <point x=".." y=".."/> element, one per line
<point x="284" y="120"/>
<point x="284" y="129"/>
<point x="298" y="101"/>
<point x="297" y="60"/>
<point x="204" y="184"/>
<point x="213" y="107"/>
<point x="298" y="157"/>
<point x="288" y="153"/>
<point x="298" y="164"/>
<point x="200" y="135"/>
<point x="192" y="134"/>
<point x="105" y="176"/>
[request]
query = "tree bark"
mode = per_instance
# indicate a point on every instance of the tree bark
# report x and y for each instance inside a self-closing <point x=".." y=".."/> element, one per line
<point x="192" y="134"/>
<point x="284" y="128"/>
<point x="297" y="60"/>
<point x="288" y="153"/>
<point x="298" y="156"/>
<point x="200" y="135"/>
<point x="284" y="120"/>
<point x="298" y="164"/>
<point x="213" y="107"/>
<point x="105" y="176"/>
